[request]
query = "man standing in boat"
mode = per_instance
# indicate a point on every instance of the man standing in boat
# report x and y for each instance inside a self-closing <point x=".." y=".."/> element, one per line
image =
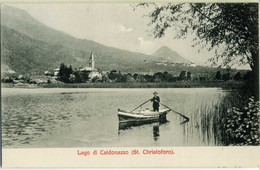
<point x="156" y="102"/>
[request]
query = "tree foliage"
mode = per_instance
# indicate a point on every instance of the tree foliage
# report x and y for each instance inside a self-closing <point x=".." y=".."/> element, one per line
<point x="230" y="29"/>
<point x="218" y="75"/>
<point x="182" y="75"/>
<point x="242" y="127"/>
<point x="237" y="76"/>
<point x="65" y="73"/>
<point x="226" y="76"/>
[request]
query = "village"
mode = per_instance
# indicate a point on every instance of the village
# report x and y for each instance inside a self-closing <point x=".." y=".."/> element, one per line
<point x="90" y="74"/>
<point x="66" y="74"/>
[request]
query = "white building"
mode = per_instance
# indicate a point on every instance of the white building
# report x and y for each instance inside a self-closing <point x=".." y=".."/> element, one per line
<point x="193" y="65"/>
<point x="56" y="71"/>
<point x="93" y="72"/>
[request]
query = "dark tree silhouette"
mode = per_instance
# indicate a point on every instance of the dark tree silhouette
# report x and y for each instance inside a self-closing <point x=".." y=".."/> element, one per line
<point x="182" y="75"/>
<point x="158" y="77"/>
<point x="64" y="73"/>
<point x="248" y="76"/>
<point x="218" y="75"/>
<point x="237" y="76"/>
<point x="135" y="76"/>
<point x="226" y="77"/>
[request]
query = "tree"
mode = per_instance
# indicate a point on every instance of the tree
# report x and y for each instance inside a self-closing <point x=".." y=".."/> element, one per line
<point x="64" y="73"/>
<point x="233" y="26"/>
<point x="182" y="75"/>
<point x="121" y="78"/>
<point x="226" y="77"/>
<point x="218" y="75"/>
<point x="149" y="78"/>
<point x="77" y="77"/>
<point x="135" y="76"/>
<point x="248" y="76"/>
<point x="112" y="75"/>
<point x="72" y="78"/>
<point x="158" y="77"/>
<point x="96" y="79"/>
<point x="230" y="29"/>
<point x="166" y="76"/>
<point x="188" y="75"/>
<point x="237" y="76"/>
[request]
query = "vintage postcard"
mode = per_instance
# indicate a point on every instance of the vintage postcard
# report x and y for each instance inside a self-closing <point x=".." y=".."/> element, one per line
<point x="133" y="84"/>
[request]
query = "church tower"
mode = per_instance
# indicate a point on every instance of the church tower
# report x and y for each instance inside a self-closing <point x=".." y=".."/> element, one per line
<point x="92" y="61"/>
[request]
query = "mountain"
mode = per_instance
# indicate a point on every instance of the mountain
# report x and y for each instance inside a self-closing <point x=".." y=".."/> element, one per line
<point x="23" y="54"/>
<point x="30" y="47"/>
<point x="165" y="53"/>
<point x="107" y="58"/>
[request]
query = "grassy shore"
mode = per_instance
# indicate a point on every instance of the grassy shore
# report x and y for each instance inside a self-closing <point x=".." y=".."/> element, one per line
<point x="179" y="84"/>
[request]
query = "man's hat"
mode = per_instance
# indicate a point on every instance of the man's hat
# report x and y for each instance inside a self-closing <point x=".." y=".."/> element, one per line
<point x="155" y="92"/>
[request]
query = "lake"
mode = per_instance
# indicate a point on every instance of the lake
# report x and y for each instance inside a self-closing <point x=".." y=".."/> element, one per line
<point x="66" y="117"/>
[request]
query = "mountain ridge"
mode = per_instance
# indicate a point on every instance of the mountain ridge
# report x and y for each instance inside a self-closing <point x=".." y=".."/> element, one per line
<point x="69" y="50"/>
<point x="165" y="52"/>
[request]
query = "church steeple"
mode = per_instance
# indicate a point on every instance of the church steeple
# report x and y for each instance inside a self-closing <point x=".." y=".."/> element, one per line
<point x="92" y="61"/>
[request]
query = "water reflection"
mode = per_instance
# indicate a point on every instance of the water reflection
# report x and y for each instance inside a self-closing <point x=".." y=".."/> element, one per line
<point x="183" y="123"/>
<point x="127" y="125"/>
<point x="122" y="126"/>
<point x="156" y="132"/>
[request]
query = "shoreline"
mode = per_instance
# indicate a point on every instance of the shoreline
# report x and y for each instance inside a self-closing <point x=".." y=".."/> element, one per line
<point x="183" y="84"/>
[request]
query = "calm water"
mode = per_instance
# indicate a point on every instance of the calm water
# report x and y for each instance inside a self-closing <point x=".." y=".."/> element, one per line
<point x="88" y="117"/>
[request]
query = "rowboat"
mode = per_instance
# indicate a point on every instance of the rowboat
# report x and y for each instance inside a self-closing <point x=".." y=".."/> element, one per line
<point x="142" y="116"/>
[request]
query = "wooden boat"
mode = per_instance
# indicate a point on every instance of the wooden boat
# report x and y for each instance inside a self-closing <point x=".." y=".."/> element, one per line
<point x="142" y="116"/>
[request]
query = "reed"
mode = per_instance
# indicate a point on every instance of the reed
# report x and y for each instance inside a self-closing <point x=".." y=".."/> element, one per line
<point x="233" y="121"/>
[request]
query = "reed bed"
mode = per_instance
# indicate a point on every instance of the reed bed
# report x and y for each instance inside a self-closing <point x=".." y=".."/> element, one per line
<point x="232" y="121"/>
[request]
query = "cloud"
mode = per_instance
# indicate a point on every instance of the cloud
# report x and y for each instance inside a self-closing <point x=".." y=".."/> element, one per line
<point x="144" y="42"/>
<point x="124" y="29"/>
<point x="146" y="46"/>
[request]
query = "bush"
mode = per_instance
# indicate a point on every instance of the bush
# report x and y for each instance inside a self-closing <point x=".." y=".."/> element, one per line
<point x="243" y="124"/>
<point x="95" y="79"/>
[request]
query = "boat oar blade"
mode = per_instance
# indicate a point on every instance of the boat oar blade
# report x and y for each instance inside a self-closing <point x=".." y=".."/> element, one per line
<point x="185" y="121"/>
<point x="185" y="117"/>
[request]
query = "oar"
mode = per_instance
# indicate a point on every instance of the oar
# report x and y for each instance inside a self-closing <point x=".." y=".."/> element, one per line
<point x="141" y="105"/>
<point x="185" y="117"/>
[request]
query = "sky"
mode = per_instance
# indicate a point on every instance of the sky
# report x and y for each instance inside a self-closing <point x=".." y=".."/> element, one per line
<point x="115" y="25"/>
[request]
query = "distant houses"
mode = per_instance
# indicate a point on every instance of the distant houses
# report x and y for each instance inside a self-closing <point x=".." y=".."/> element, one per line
<point x="193" y="65"/>
<point x="56" y="71"/>
<point x="91" y="74"/>
<point x="165" y="63"/>
<point x="47" y="73"/>
<point x="159" y="63"/>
